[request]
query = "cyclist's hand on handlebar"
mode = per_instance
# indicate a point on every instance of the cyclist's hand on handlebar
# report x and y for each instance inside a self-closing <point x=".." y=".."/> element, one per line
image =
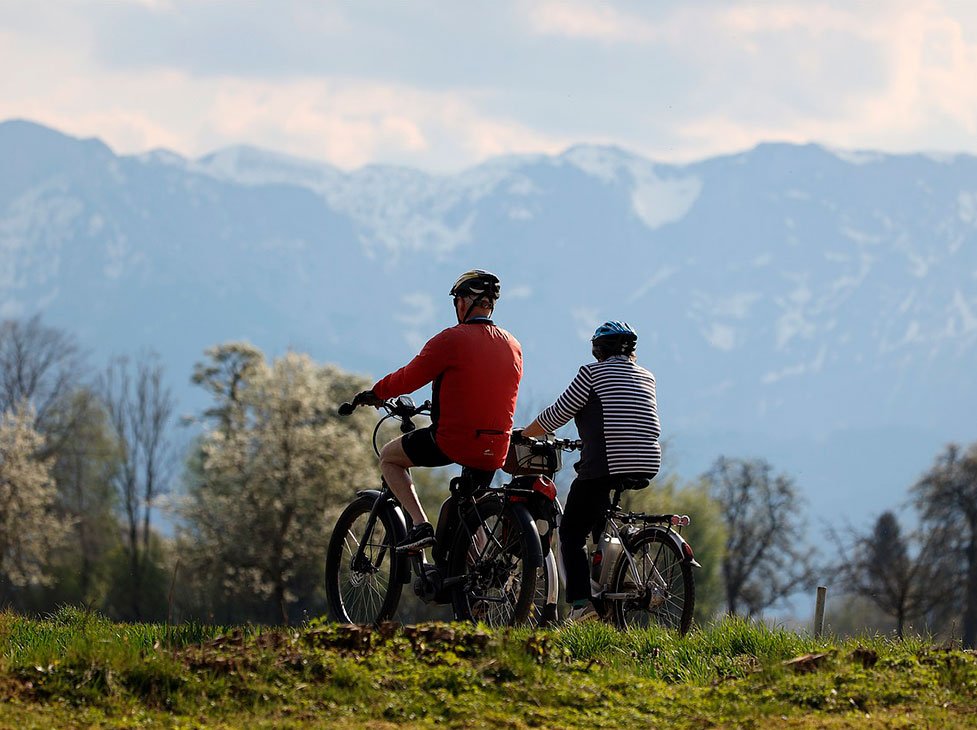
<point x="367" y="398"/>
<point x="516" y="435"/>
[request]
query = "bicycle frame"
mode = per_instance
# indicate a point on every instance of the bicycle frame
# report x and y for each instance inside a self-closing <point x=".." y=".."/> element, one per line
<point x="384" y="498"/>
<point x="486" y="550"/>
<point x="414" y="565"/>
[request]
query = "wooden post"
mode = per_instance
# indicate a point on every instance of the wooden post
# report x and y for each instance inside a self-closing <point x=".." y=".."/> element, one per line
<point x="819" y="612"/>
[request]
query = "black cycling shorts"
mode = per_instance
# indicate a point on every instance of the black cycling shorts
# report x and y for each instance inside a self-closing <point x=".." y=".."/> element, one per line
<point x="422" y="450"/>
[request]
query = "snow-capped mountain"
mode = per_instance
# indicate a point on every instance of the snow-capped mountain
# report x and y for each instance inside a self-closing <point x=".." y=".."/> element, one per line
<point x="812" y="306"/>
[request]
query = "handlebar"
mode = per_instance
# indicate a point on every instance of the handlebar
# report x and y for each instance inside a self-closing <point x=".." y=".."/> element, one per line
<point x="402" y="407"/>
<point x="542" y="445"/>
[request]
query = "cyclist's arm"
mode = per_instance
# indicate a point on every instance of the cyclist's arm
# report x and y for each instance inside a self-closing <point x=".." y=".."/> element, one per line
<point x="566" y="406"/>
<point x="534" y="430"/>
<point x="425" y="367"/>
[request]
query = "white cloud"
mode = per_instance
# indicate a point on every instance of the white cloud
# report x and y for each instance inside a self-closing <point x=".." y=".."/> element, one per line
<point x="673" y="82"/>
<point x="720" y="336"/>
<point x="964" y="313"/>
<point x="418" y="309"/>
<point x="662" y="274"/>
<point x="348" y="123"/>
<point x="813" y="366"/>
<point x="591" y="21"/>
<point x="586" y="319"/>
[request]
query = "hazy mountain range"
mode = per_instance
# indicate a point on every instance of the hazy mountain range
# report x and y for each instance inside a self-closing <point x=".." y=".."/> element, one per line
<point x="811" y="306"/>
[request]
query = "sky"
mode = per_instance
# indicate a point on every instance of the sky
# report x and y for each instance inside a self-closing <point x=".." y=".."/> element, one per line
<point x="444" y="85"/>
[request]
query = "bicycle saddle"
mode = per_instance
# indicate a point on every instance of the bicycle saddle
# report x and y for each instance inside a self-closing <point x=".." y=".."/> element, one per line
<point x="634" y="483"/>
<point x="470" y="481"/>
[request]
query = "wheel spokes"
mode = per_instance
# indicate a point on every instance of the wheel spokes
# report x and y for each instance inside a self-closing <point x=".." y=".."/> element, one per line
<point x="364" y="571"/>
<point x="657" y="577"/>
<point x="495" y="571"/>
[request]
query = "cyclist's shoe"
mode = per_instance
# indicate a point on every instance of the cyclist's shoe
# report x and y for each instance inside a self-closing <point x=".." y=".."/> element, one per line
<point x="584" y="613"/>
<point x="419" y="537"/>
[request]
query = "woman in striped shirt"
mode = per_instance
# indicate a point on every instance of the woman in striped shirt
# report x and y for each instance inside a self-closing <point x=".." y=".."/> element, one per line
<point x="612" y="402"/>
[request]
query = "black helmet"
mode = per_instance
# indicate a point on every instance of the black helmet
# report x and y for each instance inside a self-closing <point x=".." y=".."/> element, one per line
<point x="477" y="282"/>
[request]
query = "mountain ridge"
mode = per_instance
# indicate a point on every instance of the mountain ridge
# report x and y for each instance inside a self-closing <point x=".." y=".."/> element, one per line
<point x="787" y="292"/>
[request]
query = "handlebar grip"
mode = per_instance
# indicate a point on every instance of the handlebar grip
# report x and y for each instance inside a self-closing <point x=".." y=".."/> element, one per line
<point x="346" y="408"/>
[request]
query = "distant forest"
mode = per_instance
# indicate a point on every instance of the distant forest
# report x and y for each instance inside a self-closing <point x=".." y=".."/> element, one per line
<point x="91" y="458"/>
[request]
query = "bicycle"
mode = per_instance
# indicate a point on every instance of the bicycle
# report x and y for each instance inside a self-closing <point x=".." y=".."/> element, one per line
<point x="641" y="566"/>
<point x="533" y="464"/>
<point x="487" y="551"/>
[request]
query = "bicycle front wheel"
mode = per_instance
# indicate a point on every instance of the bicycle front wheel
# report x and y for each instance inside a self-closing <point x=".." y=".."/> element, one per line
<point x="654" y="586"/>
<point x="363" y="580"/>
<point x="497" y="553"/>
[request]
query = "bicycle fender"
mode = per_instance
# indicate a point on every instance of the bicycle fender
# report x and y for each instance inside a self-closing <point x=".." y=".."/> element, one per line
<point x="396" y="514"/>
<point x="684" y="549"/>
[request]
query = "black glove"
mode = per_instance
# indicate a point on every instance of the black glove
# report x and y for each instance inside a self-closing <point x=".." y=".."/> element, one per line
<point x="517" y="435"/>
<point x="367" y="398"/>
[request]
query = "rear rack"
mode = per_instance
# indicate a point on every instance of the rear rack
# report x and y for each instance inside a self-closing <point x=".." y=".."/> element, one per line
<point x="664" y="519"/>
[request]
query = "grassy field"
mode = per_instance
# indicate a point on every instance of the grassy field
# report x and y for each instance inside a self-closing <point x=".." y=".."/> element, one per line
<point x="78" y="670"/>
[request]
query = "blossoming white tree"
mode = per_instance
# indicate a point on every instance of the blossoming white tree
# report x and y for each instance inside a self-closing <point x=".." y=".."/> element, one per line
<point x="29" y="527"/>
<point x="271" y="474"/>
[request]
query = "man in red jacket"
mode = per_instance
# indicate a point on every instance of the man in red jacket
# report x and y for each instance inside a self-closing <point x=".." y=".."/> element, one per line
<point x="475" y="368"/>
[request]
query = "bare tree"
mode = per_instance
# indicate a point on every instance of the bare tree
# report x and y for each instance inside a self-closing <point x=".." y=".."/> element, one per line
<point x="41" y="366"/>
<point x="947" y="499"/>
<point x="764" y="561"/>
<point x="904" y="576"/>
<point x="139" y="408"/>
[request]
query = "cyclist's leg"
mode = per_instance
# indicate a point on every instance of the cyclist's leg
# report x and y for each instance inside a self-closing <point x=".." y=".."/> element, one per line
<point x="395" y="466"/>
<point x="587" y="503"/>
<point x="416" y="448"/>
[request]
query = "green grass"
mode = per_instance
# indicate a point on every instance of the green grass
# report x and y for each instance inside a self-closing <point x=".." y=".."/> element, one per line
<point x="78" y="670"/>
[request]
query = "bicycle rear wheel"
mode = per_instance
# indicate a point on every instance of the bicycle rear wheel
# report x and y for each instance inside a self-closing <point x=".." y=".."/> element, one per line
<point x="363" y="588"/>
<point x="497" y="550"/>
<point x="656" y="584"/>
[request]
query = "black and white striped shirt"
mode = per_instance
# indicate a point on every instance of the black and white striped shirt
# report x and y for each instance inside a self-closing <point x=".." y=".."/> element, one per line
<point x="613" y="404"/>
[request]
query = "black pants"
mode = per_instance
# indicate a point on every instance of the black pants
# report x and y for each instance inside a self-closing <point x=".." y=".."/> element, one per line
<point x="586" y="509"/>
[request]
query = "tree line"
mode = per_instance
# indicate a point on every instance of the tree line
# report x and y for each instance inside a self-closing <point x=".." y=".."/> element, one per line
<point x="89" y="459"/>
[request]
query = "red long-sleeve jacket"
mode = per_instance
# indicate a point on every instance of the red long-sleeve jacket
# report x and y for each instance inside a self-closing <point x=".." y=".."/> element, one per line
<point x="476" y="368"/>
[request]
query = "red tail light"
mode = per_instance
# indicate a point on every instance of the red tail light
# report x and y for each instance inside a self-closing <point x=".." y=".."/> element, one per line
<point x="545" y="486"/>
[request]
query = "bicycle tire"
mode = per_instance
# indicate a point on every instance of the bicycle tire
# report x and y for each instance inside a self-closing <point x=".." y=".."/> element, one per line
<point x="497" y="550"/>
<point x="366" y="594"/>
<point x="545" y="612"/>
<point x="662" y="580"/>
